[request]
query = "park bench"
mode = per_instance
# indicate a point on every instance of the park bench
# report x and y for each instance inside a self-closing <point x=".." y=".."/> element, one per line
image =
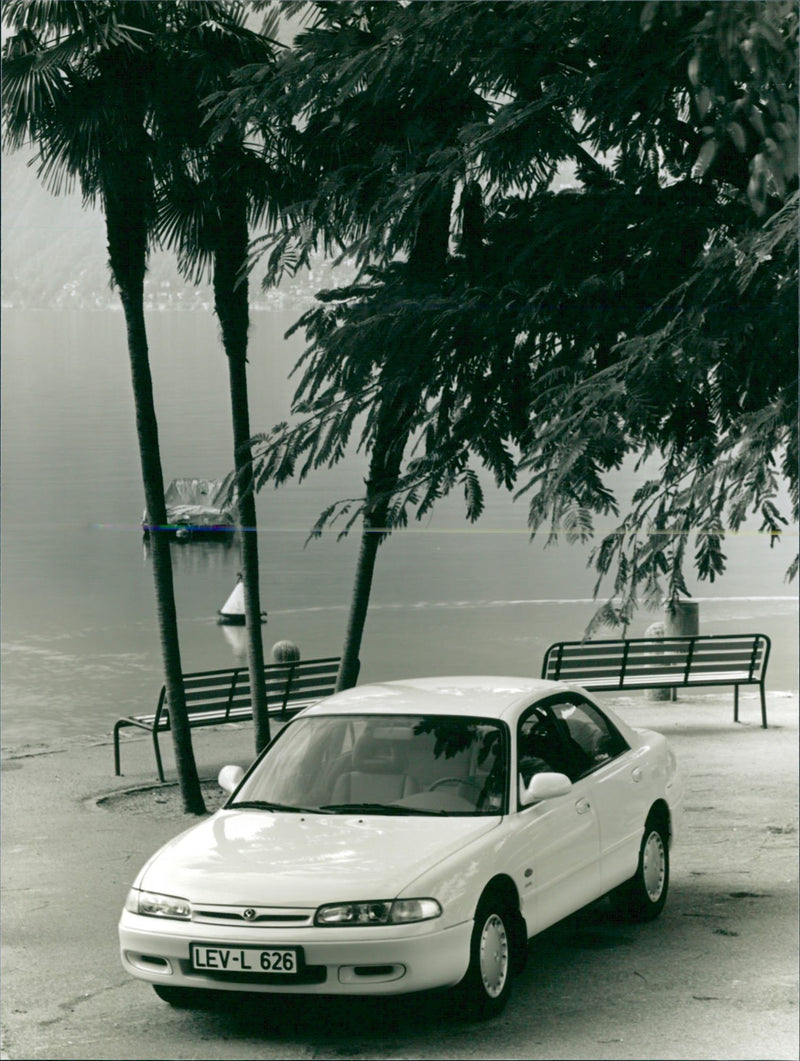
<point x="216" y="697"/>
<point x="663" y="662"/>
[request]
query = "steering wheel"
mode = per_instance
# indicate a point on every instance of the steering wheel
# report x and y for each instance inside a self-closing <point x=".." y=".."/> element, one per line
<point x="455" y="781"/>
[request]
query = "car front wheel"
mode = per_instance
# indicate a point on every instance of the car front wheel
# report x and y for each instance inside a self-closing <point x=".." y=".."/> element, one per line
<point x="642" y="898"/>
<point x="487" y="985"/>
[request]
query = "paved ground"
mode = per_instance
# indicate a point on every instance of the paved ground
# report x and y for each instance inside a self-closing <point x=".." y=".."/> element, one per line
<point x="715" y="977"/>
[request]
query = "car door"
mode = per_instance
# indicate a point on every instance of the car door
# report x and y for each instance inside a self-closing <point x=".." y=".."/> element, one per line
<point x="557" y="841"/>
<point x="601" y="761"/>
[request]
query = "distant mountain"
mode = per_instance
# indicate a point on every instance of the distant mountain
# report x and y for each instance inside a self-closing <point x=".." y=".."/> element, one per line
<point x="54" y="256"/>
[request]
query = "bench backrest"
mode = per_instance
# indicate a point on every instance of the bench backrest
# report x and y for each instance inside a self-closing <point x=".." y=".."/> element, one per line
<point x="286" y="683"/>
<point x="724" y="659"/>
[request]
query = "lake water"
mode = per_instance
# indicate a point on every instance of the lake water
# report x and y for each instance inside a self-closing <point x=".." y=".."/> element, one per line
<point x="79" y="646"/>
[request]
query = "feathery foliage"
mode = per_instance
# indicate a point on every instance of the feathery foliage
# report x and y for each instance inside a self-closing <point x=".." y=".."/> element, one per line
<point x="646" y="314"/>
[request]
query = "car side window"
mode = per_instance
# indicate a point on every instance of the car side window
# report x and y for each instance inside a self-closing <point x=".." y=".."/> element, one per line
<point x="591" y="739"/>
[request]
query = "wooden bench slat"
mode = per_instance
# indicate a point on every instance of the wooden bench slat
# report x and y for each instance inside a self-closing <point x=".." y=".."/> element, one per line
<point x="274" y="690"/>
<point x="709" y="666"/>
<point x="197" y="690"/>
<point x="212" y="718"/>
<point x="667" y="678"/>
<point x="616" y="661"/>
<point x="656" y="656"/>
<point x="198" y="703"/>
<point x="658" y="666"/>
<point x="618" y="648"/>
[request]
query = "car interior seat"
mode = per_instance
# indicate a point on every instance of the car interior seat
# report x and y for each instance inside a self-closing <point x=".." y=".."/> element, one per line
<point x="378" y="773"/>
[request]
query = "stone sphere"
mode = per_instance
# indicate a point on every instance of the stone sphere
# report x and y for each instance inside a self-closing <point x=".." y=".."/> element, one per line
<point x="285" y="652"/>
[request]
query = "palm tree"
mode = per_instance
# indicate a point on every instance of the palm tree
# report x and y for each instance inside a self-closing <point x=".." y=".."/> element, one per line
<point x="216" y="188"/>
<point x="77" y="79"/>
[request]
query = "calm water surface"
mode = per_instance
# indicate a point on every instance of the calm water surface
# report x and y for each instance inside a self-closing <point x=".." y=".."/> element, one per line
<point x="79" y="647"/>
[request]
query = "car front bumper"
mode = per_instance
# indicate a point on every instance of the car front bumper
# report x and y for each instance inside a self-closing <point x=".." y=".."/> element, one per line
<point x="377" y="960"/>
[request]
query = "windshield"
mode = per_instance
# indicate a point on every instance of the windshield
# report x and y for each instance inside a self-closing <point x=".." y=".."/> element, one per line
<point x="392" y="764"/>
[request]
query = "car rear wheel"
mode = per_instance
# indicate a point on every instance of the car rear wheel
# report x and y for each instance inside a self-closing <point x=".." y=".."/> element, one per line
<point x="642" y="898"/>
<point x="486" y="987"/>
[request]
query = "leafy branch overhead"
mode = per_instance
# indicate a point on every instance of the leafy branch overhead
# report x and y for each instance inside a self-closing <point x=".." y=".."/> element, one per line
<point x="442" y="399"/>
<point x="613" y="283"/>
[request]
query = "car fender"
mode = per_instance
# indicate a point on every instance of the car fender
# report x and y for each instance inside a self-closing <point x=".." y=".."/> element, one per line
<point x="458" y="881"/>
<point x="137" y="881"/>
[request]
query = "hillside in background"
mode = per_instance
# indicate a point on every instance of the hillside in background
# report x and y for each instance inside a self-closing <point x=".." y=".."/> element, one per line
<point x="54" y="256"/>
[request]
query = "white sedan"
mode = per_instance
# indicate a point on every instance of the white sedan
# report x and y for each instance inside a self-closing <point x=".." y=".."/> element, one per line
<point x="405" y="836"/>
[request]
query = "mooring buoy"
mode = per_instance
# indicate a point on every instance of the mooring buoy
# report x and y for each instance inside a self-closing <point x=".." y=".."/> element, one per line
<point x="232" y="612"/>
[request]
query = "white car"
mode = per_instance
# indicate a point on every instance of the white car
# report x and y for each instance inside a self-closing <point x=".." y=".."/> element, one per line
<point x="406" y="836"/>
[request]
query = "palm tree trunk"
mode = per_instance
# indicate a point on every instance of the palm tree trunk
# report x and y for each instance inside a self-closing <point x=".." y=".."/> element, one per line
<point x="147" y="431"/>
<point x="359" y="603"/>
<point x="231" y="305"/>
<point x="426" y="263"/>
<point x="125" y="201"/>
<point x="248" y="544"/>
<point x="384" y="472"/>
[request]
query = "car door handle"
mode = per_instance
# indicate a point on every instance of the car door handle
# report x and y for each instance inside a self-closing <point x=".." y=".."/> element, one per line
<point x="636" y="774"/>
<point x="582" y="806"/>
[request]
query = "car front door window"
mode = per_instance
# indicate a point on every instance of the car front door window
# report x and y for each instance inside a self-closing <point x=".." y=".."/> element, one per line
<point x="540" y="747"/>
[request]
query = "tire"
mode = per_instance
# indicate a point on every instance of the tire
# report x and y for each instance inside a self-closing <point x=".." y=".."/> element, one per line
<point x="179" y="997"/>
<point x="485" y="989"/>
<point x="642" y="898"/>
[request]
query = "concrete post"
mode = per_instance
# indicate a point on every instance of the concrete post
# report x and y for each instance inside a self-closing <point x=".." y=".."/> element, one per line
<point x="657" y="630"/>
<point x="681" y="619"/>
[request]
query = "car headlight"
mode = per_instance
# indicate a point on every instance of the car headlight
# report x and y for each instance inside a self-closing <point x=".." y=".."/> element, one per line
<point x="151" y="904"/>
<point x="377" y="912"/>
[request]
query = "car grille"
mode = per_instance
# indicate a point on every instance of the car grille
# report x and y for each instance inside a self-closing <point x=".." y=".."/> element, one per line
<point x="259" y="916"/>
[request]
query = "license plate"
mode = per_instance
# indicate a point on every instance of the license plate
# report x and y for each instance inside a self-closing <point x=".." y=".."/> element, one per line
<point x="273" y="961"/>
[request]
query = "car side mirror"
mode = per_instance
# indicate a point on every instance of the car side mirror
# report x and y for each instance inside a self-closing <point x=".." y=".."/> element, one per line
<point x="543" y="786"/>
<point x="229" y="778"/>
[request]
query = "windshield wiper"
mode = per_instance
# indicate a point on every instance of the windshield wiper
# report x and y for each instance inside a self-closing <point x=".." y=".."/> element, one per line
<point x="374" y="808"/>
<point x="264" y="804"/>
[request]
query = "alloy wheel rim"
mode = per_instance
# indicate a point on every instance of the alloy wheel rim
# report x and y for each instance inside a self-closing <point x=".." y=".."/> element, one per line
<point x="494" y="956"/>
<point x="654" y="866"/>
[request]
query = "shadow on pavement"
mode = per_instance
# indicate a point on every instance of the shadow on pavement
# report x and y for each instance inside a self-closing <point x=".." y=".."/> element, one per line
<point x="328" y="1019"/>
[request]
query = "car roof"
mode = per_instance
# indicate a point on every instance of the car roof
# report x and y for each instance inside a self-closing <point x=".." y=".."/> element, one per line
<point x="484" y="696"/>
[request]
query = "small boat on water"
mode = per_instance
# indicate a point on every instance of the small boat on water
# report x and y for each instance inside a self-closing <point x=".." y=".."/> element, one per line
<point x="197" y="510"/>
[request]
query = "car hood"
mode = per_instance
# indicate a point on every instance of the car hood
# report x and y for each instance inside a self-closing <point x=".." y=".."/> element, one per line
<point x="265" y="858"/>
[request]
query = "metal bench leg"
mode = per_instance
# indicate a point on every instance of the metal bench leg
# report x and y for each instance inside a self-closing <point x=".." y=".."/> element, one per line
<point x="763" y="708"/>
<point x="117" y="768"/>
<point x="736" y="703"/>
<point x="157" y="750"/>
